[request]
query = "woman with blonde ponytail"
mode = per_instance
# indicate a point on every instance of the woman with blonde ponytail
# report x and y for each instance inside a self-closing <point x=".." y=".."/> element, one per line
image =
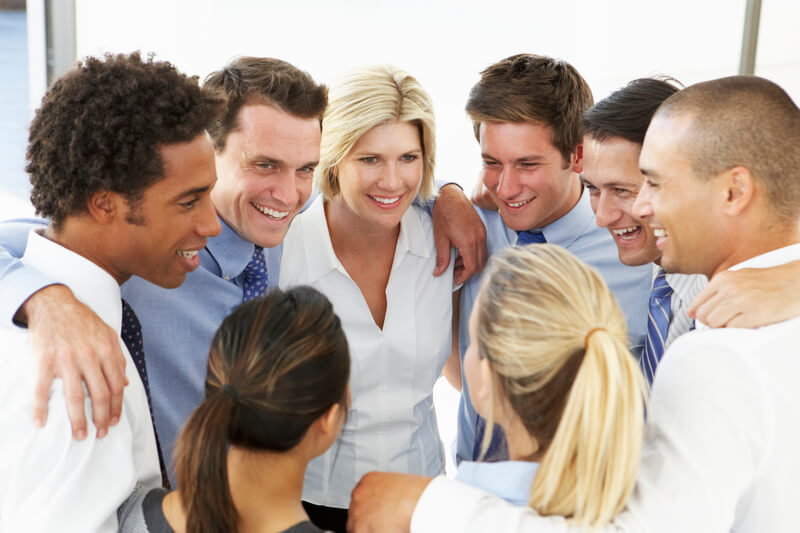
<point x="549" y="363"/>
<point x="276" y="397"/>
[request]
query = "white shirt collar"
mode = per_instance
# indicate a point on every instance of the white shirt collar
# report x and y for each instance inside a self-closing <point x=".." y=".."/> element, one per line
<point x="321" y="258"/>
<point x="88" y="282"/>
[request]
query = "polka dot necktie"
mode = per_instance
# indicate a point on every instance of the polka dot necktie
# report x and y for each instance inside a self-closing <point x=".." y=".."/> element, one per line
<point x="254" y="277"/>
<point x="528" y="237"/>
<point x="657" y="325"/>
<point x="132" y="337"/>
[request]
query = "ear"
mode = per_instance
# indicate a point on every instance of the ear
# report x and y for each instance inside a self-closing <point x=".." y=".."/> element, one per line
<point x="483" y="395"/>
<point x="739" y="190"/>
<point x="104" y="206"/>
<point x="330" y="422"/>
<point x="576" y="159"/>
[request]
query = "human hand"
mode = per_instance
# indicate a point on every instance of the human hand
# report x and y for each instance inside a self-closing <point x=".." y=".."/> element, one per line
<point x="71" y="342"/>
<point x="455" y="223"/>
<point x="384" y="501"/>
<point x="749" y="298"/>
<point x="482" y="198"/>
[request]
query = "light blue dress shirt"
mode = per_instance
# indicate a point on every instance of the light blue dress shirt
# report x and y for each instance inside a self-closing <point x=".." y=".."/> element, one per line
<point x="177" y="324"/>
<point x="510" y="480"/>
<point x="579" y="234"/>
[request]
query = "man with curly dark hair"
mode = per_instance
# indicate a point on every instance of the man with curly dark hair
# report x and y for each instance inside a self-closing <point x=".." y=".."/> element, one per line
<point x="121" y="165"/>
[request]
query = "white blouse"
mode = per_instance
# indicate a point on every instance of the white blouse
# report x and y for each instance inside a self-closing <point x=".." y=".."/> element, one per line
<point x="391" y="424"/>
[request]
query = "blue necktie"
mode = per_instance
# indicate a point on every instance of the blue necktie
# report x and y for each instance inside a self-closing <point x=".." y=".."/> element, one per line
<point x="527" y="237"/>
<point x="657" y="325"/>
<point x="254" y="277"/>
<point x="131" y="335"/>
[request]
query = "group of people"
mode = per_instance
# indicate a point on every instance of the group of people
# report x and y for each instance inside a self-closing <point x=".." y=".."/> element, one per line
<point x="269" y="351"/>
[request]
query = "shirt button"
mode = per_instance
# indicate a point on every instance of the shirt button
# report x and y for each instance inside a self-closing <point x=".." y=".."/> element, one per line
<point x="227" y="278"/>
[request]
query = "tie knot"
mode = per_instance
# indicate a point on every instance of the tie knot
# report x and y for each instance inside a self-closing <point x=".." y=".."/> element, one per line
<point x="254" y="277"/>
<point x="528" y="237"/>
<point x="661" y="288"/>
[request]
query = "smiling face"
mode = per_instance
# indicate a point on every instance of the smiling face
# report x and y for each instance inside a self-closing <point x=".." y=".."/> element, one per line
<point x="265" y="172"/>
<point x="683" y="209"/>
<point x="380" y="176"/>
<point x="526" y="175"/>
<point x="160" y="235"/>
<point x="611" y="175"/>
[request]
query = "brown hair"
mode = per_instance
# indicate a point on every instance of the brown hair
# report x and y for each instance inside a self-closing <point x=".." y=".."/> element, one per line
<point x="101" y="127"/>
<point x="276" y="364"/>
<point x="533" y="88"/>
<point x="556" y="343"/>
<point x="744" y="121"/>
<point x="263" y="80"/>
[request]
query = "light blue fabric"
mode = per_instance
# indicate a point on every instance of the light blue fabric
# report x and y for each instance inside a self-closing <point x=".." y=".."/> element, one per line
<point x="577" y="232"/>
<point x="177" y="324"/>
<point x="510" y="480"/>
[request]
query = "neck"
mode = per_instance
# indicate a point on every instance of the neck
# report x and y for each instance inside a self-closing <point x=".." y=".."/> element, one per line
<point x="521" y="445"/>
<point x="350" y="231"/>
<point x="88" y="240"/>
<point x="757" y="239"/>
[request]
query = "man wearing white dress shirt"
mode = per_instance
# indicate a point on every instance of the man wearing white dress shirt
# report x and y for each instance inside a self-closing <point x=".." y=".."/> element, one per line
<point x="721" y="193"/>
<point x="120" y="164"/>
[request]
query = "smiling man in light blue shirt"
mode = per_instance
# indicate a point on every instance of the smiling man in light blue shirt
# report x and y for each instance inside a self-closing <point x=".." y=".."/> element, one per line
<point x="527" y="112"/>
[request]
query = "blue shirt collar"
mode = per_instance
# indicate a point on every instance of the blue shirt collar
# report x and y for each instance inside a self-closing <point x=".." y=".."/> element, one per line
<point x="578" y="221"/>
<point x="230" y="251"/>
<point x="510" y="480"/>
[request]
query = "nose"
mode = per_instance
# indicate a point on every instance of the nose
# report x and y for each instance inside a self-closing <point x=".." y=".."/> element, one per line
<point x="642" y="207"/>
<point x="606" y="212"/>
<point x="284" y="189"/>
<point x="507" y="184"/>
<point x="390" y="178"/>
<point x="208" y="222"/>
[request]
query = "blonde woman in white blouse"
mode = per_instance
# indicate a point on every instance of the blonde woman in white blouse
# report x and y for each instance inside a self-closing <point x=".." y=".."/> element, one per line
<point x="365" y="246"/>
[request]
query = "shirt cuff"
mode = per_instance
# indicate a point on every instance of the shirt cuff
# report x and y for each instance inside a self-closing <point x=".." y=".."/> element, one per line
<point x="18" y="284"/>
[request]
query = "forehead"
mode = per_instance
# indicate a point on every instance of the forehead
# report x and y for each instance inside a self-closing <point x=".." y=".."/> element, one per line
<point x="262" y="127"/>
<point x="665" y="143"/>
<point x="516" y="138"/>
<point x="398" y="135"/>
<point x="187" y="166"/>
<point x="613" y="160"/>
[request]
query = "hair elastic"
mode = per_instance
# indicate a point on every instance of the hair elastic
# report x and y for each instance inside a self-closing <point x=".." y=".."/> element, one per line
<point x="231" y="392"/>
<point x="586" y="338"/>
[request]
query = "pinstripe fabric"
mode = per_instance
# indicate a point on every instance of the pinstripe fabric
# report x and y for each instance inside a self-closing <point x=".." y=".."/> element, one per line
<point x="657" y="325"/>
<point x="685" y="287"/>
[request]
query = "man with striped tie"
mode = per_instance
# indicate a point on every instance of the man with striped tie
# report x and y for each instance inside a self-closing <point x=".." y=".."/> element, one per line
<point x="527" y="114"/>
<point x="615" y="130"/>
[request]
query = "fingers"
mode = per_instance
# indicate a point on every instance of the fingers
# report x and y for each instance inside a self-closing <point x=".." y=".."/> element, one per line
<point x="442" y="253"/>
<point x="100" y="396"/>
<point x="74" y="394"/>
<point x="114" y="374"/>
<point x="41" y="395"/>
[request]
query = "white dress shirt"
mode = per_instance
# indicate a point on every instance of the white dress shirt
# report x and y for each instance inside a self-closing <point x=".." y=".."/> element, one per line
<point x="391" y="425"/>
<point x="49" y="481"/>
<point x="721" y="444"/>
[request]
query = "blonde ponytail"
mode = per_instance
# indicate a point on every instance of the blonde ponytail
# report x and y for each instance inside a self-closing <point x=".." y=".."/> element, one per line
<point x="557" y="342"/>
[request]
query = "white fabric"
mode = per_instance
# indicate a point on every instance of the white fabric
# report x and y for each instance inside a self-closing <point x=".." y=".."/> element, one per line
<point x="391" y="425"/>
<point x="685" y="287"/>
<point x="49" y="481"/>
<point x="720" y="448"/>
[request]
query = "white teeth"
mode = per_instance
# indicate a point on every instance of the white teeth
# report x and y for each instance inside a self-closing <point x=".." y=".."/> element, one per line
<point x="659" y="233"/>
<point x="385" y="200"/>
<point x="517" y="204"/>
<point x="189" y="254"/>
<point x="271" y="212"/>
<point x="623" y="231"/>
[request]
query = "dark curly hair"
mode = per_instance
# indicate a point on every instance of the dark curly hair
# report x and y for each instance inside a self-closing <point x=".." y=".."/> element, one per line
<point x="101" y="125"/>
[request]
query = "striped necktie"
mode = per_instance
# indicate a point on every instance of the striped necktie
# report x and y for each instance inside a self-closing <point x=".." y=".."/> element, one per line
<point x="254" y="276"/>
<point x="657" y="325"/>
<point x="528" y="237"/>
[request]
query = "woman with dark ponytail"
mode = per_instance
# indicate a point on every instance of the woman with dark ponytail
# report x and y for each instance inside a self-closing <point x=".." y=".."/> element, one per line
<point x="276" y="397"/>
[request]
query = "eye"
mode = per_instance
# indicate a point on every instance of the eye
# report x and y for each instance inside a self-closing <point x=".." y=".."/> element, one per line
<point x="528" y="166"/>
<point x="620" y="191"/>
<point x="409" y="157"/>
<point x="370" y="159"/>
<point x="265" y="165"/>
<point x="650" y="183"/>
<point x="306" y="169"/>
<point x="490" y="164"/>
<point x="189" y="204"/>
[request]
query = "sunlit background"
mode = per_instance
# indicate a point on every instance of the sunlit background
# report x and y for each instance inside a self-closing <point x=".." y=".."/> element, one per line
<point x="444" y="43"/>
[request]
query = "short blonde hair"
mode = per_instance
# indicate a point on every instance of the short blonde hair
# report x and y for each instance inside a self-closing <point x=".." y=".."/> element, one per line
<point x="556" y="342"/>
<point x="362" y="99"/>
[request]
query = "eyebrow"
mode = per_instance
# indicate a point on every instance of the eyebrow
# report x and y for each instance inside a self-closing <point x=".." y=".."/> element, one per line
<point x="191" y="192"/>
<point x="523" y="159"/>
